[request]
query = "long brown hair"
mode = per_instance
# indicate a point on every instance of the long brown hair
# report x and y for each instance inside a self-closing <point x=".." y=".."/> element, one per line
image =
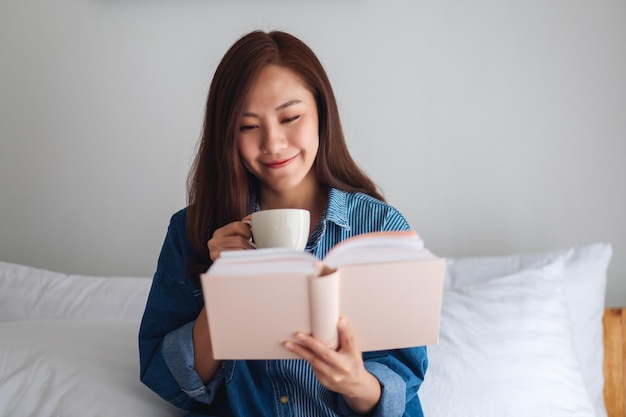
<point x="219" y="186"/>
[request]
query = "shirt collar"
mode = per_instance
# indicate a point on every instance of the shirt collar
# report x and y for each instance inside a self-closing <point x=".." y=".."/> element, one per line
<point x="337" y="209"/>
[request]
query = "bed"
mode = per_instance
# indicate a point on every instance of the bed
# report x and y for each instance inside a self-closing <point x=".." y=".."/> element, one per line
<point x="521" y="335"/>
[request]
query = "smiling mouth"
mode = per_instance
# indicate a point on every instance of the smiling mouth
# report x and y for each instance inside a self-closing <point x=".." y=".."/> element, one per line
<point x="280" y="164"/>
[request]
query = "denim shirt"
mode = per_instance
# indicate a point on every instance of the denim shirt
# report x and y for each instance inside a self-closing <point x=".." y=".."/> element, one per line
<point x="272" y="387"/>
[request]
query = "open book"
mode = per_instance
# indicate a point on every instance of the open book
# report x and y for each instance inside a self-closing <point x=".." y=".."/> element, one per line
<point x="385" y="284"/>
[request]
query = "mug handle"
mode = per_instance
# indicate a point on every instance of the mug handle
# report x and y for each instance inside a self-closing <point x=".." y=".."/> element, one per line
<point x="249" y="223"/>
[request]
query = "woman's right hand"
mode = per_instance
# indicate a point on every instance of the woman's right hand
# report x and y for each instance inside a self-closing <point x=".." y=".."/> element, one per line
<point x="233" y="236"/>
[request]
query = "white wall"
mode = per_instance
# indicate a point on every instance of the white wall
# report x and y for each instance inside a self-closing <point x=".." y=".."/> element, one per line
<point x="496" y="127"/>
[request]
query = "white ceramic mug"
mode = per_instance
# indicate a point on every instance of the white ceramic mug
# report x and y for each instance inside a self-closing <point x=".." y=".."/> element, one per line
<point x="280" y="228"/>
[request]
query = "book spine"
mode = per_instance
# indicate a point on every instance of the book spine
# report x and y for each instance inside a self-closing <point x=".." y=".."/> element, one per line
<point x="324" y="307"/>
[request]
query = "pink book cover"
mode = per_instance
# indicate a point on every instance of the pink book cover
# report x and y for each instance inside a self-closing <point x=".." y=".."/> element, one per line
<point x="385" y="284"/>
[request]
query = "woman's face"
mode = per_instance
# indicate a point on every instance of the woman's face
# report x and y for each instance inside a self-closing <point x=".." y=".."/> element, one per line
<point x="278" y="135"/>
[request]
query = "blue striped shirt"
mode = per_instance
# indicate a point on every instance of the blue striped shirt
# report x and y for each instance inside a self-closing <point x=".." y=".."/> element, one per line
<point x="273" y="387"/>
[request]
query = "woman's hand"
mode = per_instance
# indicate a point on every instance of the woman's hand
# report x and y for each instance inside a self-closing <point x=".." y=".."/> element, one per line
<point x="340" y="370"/>
<point x="233" y="236"/>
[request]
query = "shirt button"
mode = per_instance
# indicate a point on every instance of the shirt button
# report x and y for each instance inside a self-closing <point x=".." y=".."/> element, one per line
<point x="284" y="399"/>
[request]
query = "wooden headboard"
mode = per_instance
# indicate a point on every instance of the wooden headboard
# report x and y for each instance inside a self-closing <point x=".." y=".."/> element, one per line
<point x="614" y="325"/>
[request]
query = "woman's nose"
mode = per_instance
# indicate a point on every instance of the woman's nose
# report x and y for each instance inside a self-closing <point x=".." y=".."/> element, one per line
<point x="274" y="140"/>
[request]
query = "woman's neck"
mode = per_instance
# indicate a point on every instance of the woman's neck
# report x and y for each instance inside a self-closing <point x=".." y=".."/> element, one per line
<point x="312" y="197"/>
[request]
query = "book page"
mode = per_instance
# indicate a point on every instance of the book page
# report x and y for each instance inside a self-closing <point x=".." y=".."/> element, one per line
<point x="261" y="261"/>
<point x="378" y="247"/>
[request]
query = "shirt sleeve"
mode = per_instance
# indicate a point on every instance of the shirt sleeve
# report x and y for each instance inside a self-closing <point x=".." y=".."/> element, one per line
<point x="165" y="336"/>
<point x="178" y="353"/>
<point x="162" y="318"/>
<point x="400" y="374"/>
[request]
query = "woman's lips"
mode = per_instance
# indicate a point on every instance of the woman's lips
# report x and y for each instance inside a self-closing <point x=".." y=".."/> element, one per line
<point x="279" y="163"/>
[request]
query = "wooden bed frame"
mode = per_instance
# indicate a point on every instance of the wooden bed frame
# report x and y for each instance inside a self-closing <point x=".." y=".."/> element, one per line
<point x="614" y="325"/>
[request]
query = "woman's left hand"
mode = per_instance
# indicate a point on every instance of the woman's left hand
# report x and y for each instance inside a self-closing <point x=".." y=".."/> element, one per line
<point x="340" y="370"/>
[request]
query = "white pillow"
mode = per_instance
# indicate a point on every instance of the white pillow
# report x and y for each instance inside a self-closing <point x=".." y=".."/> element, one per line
<point x="28" y="293"/>
<point x="74" y="369"/>
<point x="506" y="350"/>
<point x="584" y="270"/>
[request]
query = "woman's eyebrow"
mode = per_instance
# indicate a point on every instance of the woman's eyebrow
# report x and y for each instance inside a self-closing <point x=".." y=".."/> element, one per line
<point x="281" y="107"/>
<point x="287" y="104"/>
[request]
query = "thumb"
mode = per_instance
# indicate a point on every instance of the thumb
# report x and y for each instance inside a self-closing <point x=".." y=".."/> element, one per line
<point x="346" y="335"/>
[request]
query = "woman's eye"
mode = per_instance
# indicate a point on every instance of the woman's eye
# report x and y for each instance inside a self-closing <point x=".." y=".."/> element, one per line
<point x="291" y="119"/>
<point x="245" y="128"/>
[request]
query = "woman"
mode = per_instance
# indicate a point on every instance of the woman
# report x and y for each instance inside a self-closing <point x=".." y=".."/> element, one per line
<point x="272" y="139"/>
